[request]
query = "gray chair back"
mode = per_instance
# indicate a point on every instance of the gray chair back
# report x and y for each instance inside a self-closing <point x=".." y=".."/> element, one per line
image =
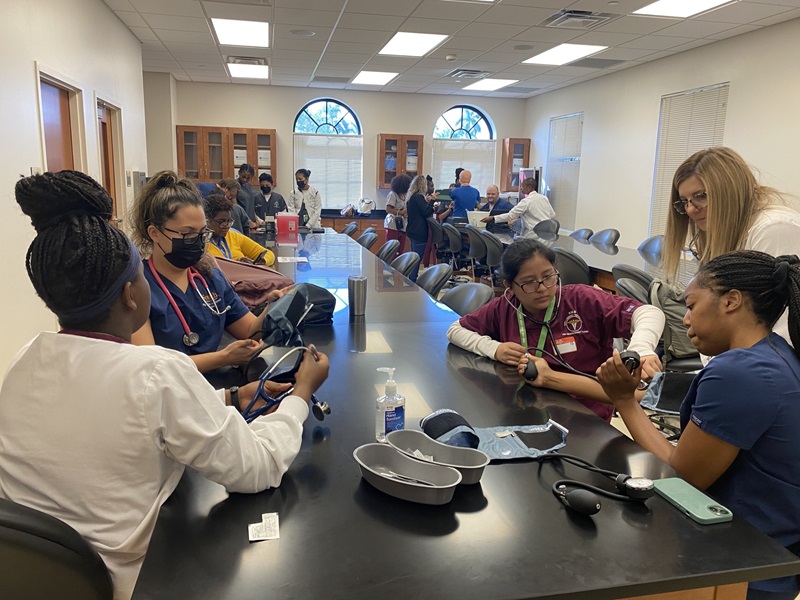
<point x="43" y="557"/>
<point x="547" y="226"/>
<point x="652" y="247"/>
<point x="621" y="271"/>
<point x="582" y="234"/>
<point x="368" y="230"/>
<point x="467" y="297"/>
<point x="453" y="237"/>
<point x="367" y="240"/>
<point x="433" y="278"/>
<point x="605" y="237"/>
<point x="437" y="233"/>
<point x="349" y="229"/>
<point x="573" y="268"/>
<point x="630" y="288"/>
<point x="406" y="263"/>
<point x="494" y="248"/>
<point x="388" y="250"/>
<point x="477" y="247"/>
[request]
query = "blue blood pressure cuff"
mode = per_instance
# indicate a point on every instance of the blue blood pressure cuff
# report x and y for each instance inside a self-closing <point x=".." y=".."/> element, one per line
<point x="499" y="443"/>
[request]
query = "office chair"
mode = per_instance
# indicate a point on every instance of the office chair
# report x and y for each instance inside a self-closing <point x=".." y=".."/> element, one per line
<point x="388" y="250"/>
<point x="573" y="268"/>
<point x="454" y="244"/>
<point x="349" y="229"/>
<point x="477" y="247"/>
<point x="547" y="226"/>
<point x="467" y="297"/>
<point x="605" y="248"/>
<point x="406" y="263"/>
<point x="494" y="252"/>
<point x="43" y="557"/>
<point x="582" y="235"/>
<point x="367" y="240"/>
<point x="630" y="288"/>
<point x="605" y="237"/>
<point x="652" y="247"/>
<point x="434" y="278"/>
<point x="437" y="235"/>
<point x="368" y="230"/>
<point x="645" y="280"/>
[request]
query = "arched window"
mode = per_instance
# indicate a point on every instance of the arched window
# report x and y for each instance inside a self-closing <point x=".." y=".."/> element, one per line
<point x="327" y="116"/>
<point x="328" y="142"/>
<point x="463" y="123"/>
<point x="464" y="137"/>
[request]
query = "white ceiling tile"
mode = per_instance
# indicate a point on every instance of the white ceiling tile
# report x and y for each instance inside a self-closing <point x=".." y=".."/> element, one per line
<point x="622" y="8"/>
<point x="221" y="10"/>
<point x="333" y="72"/>
<point x="734" y="31"/>
<point x="164" y="55"/>
<point x="526" y="71"/>
<point x="242" y="51"/>
<point x="439" y="26"/>
<point x="557" y="4"/>
<point x="656" y="42"/>
<point x="391" y="63"/>
<point x="640" y="25"/>
<point x="300" y="44"/>
<point x="412" y="78"/>
<point x="547" y="35"/>
<point x="454" y="11"/>
<point x="210" y="78"/>
<point x="289" y="83"/>
<point x="153" y="47"/>
<point x="623" y="53"/>
<point x="492" y="30"/>
<point x="307" y="55"/>
<point x="790" y="3"/>
<point x="192" y="49"/>
<point x="308" y="19"/>
<point x="180" y="8"/>
<point x="696" y="29"/>
<point x="604" y="38"/>
<point x="176" y="23"/>
<point x="344" y="57"/>
<point x="145" y="34"/>
<point x="119" y="5"/>
<point x="346" y="69"/>
<point x="792" y="14"/>
<point x="471" y="43"/>
<point x="328" y="85"/>
<point x="693" y="44"/>
<point x="131" y="19"/>
<point x="221" y="72"/>
<point x="742" y="12"/>
<point x="402" y="8"/>
<point x="353" y="47"/>
<point x="160" y="70"/>
<point x="571" y="72"/>
<point x="548" y="78"/>
<point x="662" y="54"/>
<point x="380" y="37"/>
<point x="188" y="37"/>
<point x="520" y="15"/>
<point x="306" y="4"/>
<point x="168" y="64"/>
<point x="189" y="65"/>
<point x="370" y="22"/>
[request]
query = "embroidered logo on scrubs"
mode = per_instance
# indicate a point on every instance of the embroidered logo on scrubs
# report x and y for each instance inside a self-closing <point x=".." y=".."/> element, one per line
<point x="573" y="323"/>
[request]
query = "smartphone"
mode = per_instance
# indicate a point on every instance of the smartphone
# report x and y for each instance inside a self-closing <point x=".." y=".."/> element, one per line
<point x="691" y="501"/>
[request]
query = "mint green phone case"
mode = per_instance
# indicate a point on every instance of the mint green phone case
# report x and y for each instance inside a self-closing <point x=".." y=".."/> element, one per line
<point x="691" y="501"/>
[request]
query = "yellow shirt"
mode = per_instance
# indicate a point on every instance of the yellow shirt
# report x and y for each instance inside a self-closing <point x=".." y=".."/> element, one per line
<point x="236" y="246"/>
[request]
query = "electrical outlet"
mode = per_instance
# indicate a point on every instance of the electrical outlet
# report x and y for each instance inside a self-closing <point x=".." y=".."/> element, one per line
<point x="36" y="170"/>
<point x="128" y="178"/>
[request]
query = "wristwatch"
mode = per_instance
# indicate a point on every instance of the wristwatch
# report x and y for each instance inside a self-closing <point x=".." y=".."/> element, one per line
<point x="234" y="391"/>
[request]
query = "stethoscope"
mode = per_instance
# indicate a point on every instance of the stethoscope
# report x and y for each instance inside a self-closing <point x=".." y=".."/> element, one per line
<point x="190" y="338"/>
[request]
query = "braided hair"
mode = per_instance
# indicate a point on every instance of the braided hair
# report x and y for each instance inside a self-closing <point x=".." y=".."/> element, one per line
<point x="216" y="202"/>
<point x="76" y="254"/>
<point x="770" y="283"/>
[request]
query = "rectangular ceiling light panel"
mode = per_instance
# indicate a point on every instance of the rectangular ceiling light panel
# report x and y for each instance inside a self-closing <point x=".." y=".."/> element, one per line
<point x="412" y="44"/>
<point x="680" y="8"/>
<point x="232" y="32"/>
<point x="563" y="54"/>
<point x="249" y="71"/>
<point x="374" y="78"/>
<point x="489" y="85"/>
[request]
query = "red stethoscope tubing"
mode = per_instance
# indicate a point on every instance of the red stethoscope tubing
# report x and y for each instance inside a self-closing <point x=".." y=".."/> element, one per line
<point x="192" y="273"/>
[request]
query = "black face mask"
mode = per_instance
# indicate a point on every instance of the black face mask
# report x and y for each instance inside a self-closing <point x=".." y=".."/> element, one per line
<point x="185" y="255"/>
<point x="265" y="189"/>
<point x="301" y="185"/>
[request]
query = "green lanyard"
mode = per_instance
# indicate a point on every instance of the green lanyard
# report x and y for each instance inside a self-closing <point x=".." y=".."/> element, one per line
<point x="523" y="334"/>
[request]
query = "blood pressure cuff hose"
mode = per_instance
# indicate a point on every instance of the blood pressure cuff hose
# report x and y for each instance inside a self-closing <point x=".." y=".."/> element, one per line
<point x="499" y="443"/>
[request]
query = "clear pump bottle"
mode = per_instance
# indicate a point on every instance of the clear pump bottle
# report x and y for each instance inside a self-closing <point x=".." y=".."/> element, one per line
<point x="390" y="413"/>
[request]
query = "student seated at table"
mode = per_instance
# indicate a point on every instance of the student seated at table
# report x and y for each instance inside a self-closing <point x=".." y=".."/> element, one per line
<point x="97" y="431"/>
<point x="577" y="323"/>
<point x="740" y="440"/>
<point x="532" y="209"/>
<point x="230" y="187"/>
<point x="192" y="302"/>
<point x="226" y="241"/>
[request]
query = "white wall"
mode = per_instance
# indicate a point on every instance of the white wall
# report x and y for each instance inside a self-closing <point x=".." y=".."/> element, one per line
<point x="239" y="105"/>
<point x="621" y="112"/>
<point x="160" y="113"/>
<point x="83" y="42"/>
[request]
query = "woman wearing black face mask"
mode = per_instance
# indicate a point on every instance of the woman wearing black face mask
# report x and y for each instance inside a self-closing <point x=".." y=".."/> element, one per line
<point x="192" y="301"/>
<point x="306" y="197"/>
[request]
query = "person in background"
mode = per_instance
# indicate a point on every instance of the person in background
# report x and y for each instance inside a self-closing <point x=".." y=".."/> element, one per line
<point x="457" y="182"/>
<point x="112" y="449"/>
<point x="429" y="257"/>
<point x="225" y="241"/>
<point x="247" y="196"/>
<point x="719" y="206"/>
<point x="192" y="302"/>
<point x="532" y="209"/>
<point x="583" y="323"/>
<point x="273" y="203"/>
<point x="495" y="205"/>
<point x="241" y="222"/>
<point x="465" y="197"/>
<point x="306" y="197"/>
<point x="419" y="210"/>
<point x="739" y="419"/>
<point x="396" y="213"/>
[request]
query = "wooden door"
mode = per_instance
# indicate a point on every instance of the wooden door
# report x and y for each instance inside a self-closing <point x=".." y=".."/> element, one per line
<point x="57" y="127"/>
<point x="105" y="129"/>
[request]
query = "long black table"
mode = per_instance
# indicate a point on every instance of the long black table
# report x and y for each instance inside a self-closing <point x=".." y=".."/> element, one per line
<point x="506" y="537"/>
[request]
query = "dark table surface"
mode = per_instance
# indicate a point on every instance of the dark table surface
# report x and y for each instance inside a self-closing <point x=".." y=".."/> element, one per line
<point x="506" y="537"/>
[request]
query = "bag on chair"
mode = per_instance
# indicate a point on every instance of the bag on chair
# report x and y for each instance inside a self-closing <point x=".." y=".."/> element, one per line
<point x="252" y="283"/>
<point x="670" y="300"/>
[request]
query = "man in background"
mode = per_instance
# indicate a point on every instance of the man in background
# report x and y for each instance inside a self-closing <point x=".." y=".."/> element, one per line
<point x="465" y="197"/>
<point x="246" y="197"/>
<point x="495" y="205"/>
<point x="532" y="209"/>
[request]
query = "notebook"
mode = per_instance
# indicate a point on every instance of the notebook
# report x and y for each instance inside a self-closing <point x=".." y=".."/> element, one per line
<point x="474" y="218"/>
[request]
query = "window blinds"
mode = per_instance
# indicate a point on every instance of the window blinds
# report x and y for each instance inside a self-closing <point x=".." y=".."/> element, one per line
<point x="335" y="163"/>
<point x="564" y="166"/>
<point x="689" y="121"/>
<point x="477" y="156"/>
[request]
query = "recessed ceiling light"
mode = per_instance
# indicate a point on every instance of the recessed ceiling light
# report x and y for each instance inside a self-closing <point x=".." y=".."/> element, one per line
<point x="232" y="32"/>
<point x="303" y="32"/>
<point x="489" y="85"/>
<point x="563" y="54"/>
<point x="679" y="8"/>
<point x="374" y="78"/>
<point x="412" y="44"/>
<point x="249" y="71"/>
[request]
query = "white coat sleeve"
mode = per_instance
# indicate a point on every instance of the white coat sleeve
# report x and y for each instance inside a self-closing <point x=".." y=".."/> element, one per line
<point x="482" y="345"/>
<point x="647" y="325"/>
<point x="188" y="422"/>
<point x="314" y="208"/>
<point x="292" y="204"/>
<point x="519" y="209"/>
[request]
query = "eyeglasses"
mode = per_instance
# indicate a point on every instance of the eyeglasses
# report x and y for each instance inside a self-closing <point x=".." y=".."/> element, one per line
<point x="529" y="287"/>
<point x="191" y="237"/>
<point x="223" y="223"/>
<point x="699" y="201"/>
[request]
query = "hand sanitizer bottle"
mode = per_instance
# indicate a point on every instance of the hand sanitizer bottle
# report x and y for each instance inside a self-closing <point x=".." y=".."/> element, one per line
<point x="390" y="413"/>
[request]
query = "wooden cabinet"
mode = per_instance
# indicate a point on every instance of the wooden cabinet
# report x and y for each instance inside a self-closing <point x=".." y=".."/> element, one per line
<point x="214" y="153"/>
<point x="398" y="155"/>
<point x="516" y="154"/>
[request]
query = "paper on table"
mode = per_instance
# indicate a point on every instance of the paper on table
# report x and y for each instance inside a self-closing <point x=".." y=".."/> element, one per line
<point x="292" y="259"/>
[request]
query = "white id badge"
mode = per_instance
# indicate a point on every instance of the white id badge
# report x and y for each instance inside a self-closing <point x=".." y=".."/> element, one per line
<point x="567" y="344"/>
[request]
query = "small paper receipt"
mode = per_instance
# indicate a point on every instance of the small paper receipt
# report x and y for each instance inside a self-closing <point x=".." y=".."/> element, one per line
<point x="266" y="530"/>
<point x="292" y="259"/>
<point x="418" y="453"/>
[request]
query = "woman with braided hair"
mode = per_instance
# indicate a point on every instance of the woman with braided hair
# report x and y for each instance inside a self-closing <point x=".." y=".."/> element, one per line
<point x="739" y="419"/>
<point x="120" y="421"/>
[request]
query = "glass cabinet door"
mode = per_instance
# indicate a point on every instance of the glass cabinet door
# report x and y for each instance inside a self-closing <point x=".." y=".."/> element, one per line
<point x="264" y="154"/>
<point x="238" y="150"/>
<point x="412" y="157"/>
<point x="191" y="153"/>
<point x="215" y="156"/>
<point x="390" y="156"/>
